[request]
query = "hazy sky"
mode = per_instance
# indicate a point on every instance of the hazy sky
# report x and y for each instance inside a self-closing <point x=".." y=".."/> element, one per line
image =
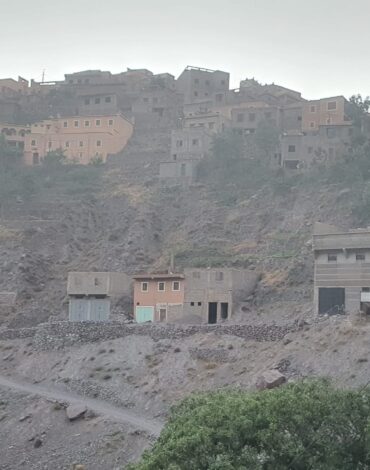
<point x="319" y="47"/>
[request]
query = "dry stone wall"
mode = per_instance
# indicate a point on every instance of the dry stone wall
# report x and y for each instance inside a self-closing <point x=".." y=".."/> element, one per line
<point x="63" y="334"/>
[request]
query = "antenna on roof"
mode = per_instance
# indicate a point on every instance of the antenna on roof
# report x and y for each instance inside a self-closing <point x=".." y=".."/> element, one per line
<point x="43" y="76"/>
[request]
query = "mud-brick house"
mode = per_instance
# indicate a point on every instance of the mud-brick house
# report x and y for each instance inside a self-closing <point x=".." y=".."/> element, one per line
<point x="158" y="297"/>
<point x="90" y="294"/>
<point x="342" y="270"/>
<point x="197" y="296"/>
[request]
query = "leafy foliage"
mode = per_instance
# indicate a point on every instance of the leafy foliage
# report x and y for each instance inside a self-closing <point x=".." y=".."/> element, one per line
<point x="306" y="425"/>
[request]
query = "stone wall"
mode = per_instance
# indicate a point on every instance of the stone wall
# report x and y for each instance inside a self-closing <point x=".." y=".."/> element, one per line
<point x="62" y="334"/>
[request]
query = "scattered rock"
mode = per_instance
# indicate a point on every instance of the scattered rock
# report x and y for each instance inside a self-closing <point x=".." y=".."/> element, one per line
<point x="75" y="411"/>
<point x="23" y="418"/>
<point x="270" y="379"/>
<point x="37" y="443"/>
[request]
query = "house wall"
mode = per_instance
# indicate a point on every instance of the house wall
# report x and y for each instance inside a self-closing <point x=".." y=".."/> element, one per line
<point x="178" y="169"/>
<point x="210" y="121"/>
<point x="198" y="84"/>
<point x="190" y="143"/>
<point x="81" y="137"/>
<point x="94" y="283"/>
<point x="317" y="113"/>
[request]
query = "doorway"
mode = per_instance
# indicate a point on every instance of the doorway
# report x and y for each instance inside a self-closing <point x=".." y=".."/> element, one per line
<point x="35" y="158"/>
<point x="224" y="310"/>
<point x="212" y="312"/>
<point x="331" y="300"/>
<point x="162" y="314"/>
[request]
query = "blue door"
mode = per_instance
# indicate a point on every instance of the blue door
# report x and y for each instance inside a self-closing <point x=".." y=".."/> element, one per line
<point x="143" y="314"/>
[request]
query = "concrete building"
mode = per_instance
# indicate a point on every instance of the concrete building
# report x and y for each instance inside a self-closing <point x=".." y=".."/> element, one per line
<point x="198" y="84"/>
<point x="342" y="270"/>
<point x="158" y="297"/>
<point x="212" y="121"/>
<point x="14" y="135"/>
<point x="245" y="120"/>
<point x="82" y="138"/>
<point x="198" y="295"/>
<point x="326" y="111"/>
<point x="97" y="104"/>
<point x="10" y="87"/>
<point x="90" y="294"/>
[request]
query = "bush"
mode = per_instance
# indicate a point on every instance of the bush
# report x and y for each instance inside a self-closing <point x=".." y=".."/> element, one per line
<point x="306" y="425"/>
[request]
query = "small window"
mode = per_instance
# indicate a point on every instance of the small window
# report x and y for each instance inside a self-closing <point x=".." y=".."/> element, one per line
<point x="312" y="109"/>
<point x="80" y="154"/>
<point x="76" y="123"/>
<point x="192" y="304"/>
<point x="65" y="124"/>
<point x="312" y="124"/>
<point x="87" y="101"/>
<point x="81" y="143"/>
<point x="332" y="258"/>
<point x="110" y="122"/>
<point x="199" y="304"/>
<point x="96" y="282"/>
<point x="195" y="142"/>
<point x="196" y="275"/>
<point x="291" y="148"/>
<point x="310" y="150"/>
<point x="211" y="125"/>
<point x="67" y="144"/>
<point x="332" y="105"/>
<point x="195" y="93"/>
<point x="108" y="99"/>
<point x="360" y="257"/>
<point x="196" y="81"/>
<point x="98" y="143"/>
<point x="252" y="117"/>
<point x="219" y="276"/>
<point x="144" y="287"/>
<point x="299" y="118"/>
<point x="176" y="285"/>
<point x="33" y="142"/>
<point x="87" y="123"/>
<point x="50" y="145"/>
<point x="161" y="286"/>
<point x="97" y="122"/>
<point x="207" y="82"/>
<point x="179" y="143"/>
<point x="219" y="97"/>
<point x="145" y="100"/>
<point x="97" y="100"/>
<point x="240" y="117"/>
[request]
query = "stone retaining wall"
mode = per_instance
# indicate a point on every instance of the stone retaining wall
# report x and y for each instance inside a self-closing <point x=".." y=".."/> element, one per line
<point x="61" y="334"/>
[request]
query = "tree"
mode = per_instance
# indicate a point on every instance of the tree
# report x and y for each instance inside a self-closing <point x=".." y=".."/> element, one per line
<point x="54" y="158"/>
<point x="305" y="425"/>
<point x="267" y="139"/>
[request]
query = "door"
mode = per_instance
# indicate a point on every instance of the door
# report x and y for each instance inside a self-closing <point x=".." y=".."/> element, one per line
<point x="99" y="310"/>
<point x="224" y="310"/>
<point x="163" y="314"/>
<point x="144" y="314"/>
<point x="331" y="300"/>
<point x="212" y="312"/>
<point x="78" y="310"/>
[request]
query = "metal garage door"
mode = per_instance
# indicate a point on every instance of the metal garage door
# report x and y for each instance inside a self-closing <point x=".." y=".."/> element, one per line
<point x="143" y="314"/>
<point x="331" y="300"/>
<point x="89" y="310"/>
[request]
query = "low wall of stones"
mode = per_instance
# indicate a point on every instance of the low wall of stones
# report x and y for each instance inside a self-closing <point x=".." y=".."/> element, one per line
<point x="61" y="334"/>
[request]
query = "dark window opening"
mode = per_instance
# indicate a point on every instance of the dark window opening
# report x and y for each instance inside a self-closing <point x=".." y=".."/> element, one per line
<point x="332" y="258"/>
<point x="219" y="276"/>
<point x="291" y="148"/>
<point x="199" y="304"/>
<point x="192" y="304"/>
<point x="331" y="300"/>
<point x="360" y="257"/>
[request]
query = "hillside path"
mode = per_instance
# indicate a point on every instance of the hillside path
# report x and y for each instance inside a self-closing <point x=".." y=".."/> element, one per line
<point x="116" y="414"/>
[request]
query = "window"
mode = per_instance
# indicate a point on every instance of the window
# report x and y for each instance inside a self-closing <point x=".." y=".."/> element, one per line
<point x="80" y="154"/>
<point x="252" y="117"/>
<point x="144" y="287"/>
<point x="179" y="143"/>
<point x="192" y="304"/>
<point x="332" y="105"/>
<point x="312" y="109"/>
<point x="196" y="81"/>
<point x="87" y="123"/>
<point x="145" y="100"/>
<point x="161" y="286"/>
<point x="33" y="142"/>
<point x="97" y="122"/>
<point x="176" y="285"/>
<point x="240" y="117"/>
<point x="110" y="122"/>
<point x="79" y="81"/>
<point x="81" y="143"/>
<point x="360" y="257"/>
<point x="219" y="276"/>
<point x="97" y="100"/>
<point x="328" y="121"/>
<point x="211" y="125"/>
<point x="87" y="101"/>
<point x="195" y="142"/>
<point x="332" y="258"/>
<point x="312" y="124"/>
<point x="76" y="123"/>
<point x="98" y="143"/>
<point x="183" y="169"/>
<point x="291" y="148"/>
<point x="108" y="99"/>
<point x="219" y="97"/>
<point x="96" y="282"/>
<point x="65" y="124"/>
<point x="195" y="93"/>
<point x="67" y="144"/>
<point x="223" y="82"/>
<point x="299" y="118"/>
<point x="196" y="275"/>
<point x="199" y="304"/>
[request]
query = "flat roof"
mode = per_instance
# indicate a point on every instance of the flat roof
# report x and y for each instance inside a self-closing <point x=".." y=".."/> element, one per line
<point x="152" y="276"/>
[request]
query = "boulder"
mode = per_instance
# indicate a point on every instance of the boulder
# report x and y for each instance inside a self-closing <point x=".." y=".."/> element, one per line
<point x="270" y="379"/>
<point x="75" y="411"/>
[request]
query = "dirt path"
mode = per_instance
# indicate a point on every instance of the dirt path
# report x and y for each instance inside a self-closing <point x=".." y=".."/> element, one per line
<point x="111" y="412"/>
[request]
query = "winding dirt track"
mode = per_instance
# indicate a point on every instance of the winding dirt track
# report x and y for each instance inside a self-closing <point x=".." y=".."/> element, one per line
<point x="111" y="412"/>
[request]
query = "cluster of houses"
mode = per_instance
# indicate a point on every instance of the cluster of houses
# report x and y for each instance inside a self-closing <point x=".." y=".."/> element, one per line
<point x="341" y="285"/>
<point x="93" y="114"/>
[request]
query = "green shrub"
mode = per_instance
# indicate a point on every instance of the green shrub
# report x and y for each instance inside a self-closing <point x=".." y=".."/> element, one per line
<point x="306" y="425"/>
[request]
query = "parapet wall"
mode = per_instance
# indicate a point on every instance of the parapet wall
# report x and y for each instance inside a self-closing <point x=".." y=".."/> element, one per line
<point x="61" y="334"/>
